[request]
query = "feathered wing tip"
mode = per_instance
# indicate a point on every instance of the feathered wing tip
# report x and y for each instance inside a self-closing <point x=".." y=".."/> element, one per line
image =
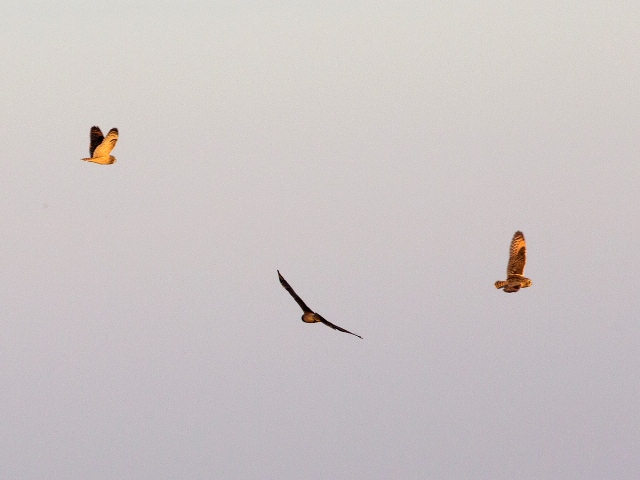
<point x="500" y="284"/>
<point x="334" y="326"/>
<point x="295" y="296"/>
<point x="517" y="243"/>
<point x="517" y="255"/>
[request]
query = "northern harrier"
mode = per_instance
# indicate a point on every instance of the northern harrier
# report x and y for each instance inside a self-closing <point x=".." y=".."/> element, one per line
<point x="100" y="147"/>
<point x="309" y="316"/>
<point x="515" y="269"/>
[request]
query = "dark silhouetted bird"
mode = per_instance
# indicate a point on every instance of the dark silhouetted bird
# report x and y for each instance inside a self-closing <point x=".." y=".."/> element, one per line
<point x="309" y="316"/>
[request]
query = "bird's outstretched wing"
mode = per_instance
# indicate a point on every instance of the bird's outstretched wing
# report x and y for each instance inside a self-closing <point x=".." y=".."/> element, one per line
<point x="517" y="255"/>
<point x="335" y="327"/>
<point x="96" y="139"/>
<point x="105" y="147"/>
<point x="295" y="296"/>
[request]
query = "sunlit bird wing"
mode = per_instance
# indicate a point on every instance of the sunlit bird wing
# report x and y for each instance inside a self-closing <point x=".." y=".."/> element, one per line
<point x="105" y="147"/>
<point x="295" y="296"/>
<point x="517" y="255"/>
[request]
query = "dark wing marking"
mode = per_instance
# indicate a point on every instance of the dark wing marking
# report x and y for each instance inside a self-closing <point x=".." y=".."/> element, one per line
<point x="517" y="255"/>
<point x="335" y="327"/>
<point x="96" y="139"/>
<point x="295" y="296"/>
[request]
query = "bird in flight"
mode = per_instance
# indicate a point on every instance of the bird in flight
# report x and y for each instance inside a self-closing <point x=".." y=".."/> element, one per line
<point x="100" y="146"/>
<point x="309" y="316"/>
<point x="515" y="269"/>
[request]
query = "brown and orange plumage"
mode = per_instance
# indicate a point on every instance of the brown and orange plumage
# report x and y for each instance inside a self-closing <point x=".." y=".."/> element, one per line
<point x="515" y="269"/>
<point x="100" y="147"/>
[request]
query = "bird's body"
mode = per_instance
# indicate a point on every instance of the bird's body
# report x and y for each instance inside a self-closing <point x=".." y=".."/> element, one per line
<point x="515" y="269"/>
<point x="100" y="146"/>
<point x="308" y="315"/>
<point x="513" y="283"/>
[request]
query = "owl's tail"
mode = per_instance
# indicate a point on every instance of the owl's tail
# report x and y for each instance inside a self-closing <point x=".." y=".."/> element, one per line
<point x="101" y="160"/>
<point x="500" y="283"/>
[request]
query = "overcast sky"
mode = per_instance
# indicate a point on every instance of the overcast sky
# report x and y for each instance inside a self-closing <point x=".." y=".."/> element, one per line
<point x="380" y="155"/>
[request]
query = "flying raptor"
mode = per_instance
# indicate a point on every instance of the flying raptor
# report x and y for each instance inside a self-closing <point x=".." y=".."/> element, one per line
<point x="309" y="316"/>
<point x="515" y="269"/>
<point x="100" y="146"/>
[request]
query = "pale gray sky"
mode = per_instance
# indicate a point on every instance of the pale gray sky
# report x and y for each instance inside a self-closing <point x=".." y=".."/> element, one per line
<point x="381" y="155"/>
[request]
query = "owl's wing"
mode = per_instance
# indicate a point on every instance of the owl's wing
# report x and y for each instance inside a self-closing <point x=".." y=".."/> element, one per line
<point x="105" y="147"/>
<point x="517" y="255"/>
<point x="96" y="139"/>
<point x="295" y="296"/>
<point x="335" y="327"/>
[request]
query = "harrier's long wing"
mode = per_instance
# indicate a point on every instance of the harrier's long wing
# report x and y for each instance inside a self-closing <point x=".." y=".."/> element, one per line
<point x="517" y="255"/>
<point x="96" y="139"/>
<point x="295" y="296"/>
<point x="335" y="327"/>
<point x="105" y="147"/>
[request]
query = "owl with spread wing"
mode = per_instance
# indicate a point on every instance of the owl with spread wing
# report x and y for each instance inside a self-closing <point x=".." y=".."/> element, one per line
<point x="100" y="146"/>
<point x="515" y="269"/>
<point x="308" y="315"/>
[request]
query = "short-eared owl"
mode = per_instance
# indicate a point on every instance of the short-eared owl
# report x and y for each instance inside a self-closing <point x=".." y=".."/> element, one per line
<point x="309" y="316"/>
<point x="515" y="269"/>
<point x="100" y="147"/>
